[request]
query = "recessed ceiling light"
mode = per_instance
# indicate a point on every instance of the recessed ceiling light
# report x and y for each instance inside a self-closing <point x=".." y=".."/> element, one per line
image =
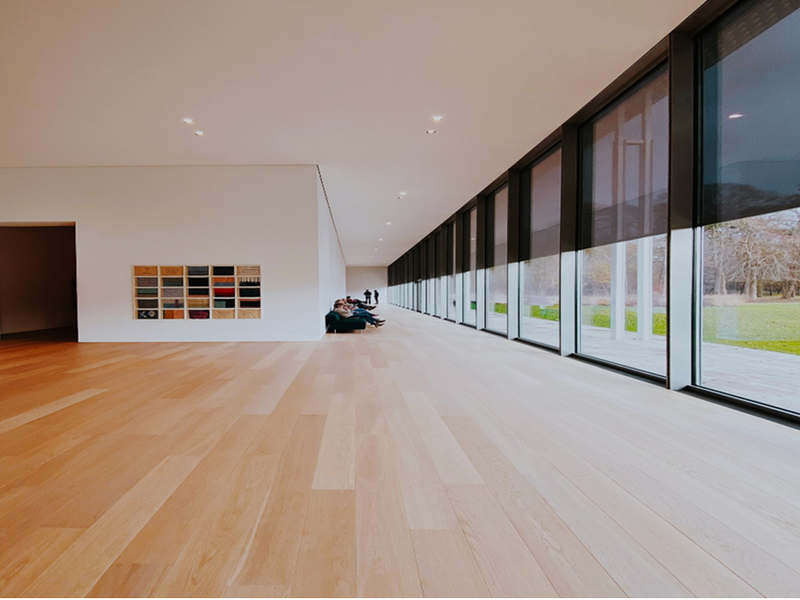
<point x="380" y="239"/>
<point x="437" y="118"/>
<point x="735" y="116"/>
<point x="199" y="133"/>
<point x="388" y="222"/>
<point x="188" y="120"/>
<point x="404" y="193"/>
<point x="430" y="131"/>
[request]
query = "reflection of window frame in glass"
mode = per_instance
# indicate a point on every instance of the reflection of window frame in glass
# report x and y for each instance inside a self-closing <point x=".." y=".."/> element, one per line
<point x="452" y="264"/>
<point x="470" y="277"/>
<point x="495" y="257"/>
<point x="535" y="247"/>
<point x="640" y="217"/>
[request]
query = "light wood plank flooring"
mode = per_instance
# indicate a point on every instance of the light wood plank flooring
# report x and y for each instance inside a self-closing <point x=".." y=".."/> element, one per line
<point x="422" y="458"/>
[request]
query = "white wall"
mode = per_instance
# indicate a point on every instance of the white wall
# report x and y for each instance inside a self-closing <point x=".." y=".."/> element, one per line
<point x="128" y="216"/>
<point x="331" y="260"/>
<point x="361" y="278"/>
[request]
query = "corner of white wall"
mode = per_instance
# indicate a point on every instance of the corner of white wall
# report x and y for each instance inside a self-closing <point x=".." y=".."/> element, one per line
<point x="331" y="263"/>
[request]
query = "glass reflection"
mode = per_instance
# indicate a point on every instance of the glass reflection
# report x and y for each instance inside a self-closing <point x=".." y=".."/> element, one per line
<point x="623" y="268"/>
<point x="750" y="242"/>
<point x="497" y="273"/>
<point x="540" y="276"/>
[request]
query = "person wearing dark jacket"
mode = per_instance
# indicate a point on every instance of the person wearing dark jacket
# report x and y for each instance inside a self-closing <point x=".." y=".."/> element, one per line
<point x="376" y="296"/>
<point x="367" y="296"/>
<point x="359" y="303"/>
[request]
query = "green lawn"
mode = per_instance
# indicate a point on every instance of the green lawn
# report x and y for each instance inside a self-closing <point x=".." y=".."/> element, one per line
<point x="548" y="313"/>
<point x="600" y="316"/>
<point x="763" y="326"/>
<point x="774" y="327"/>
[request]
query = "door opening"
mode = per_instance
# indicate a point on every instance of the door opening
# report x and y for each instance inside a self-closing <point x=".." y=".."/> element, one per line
<point x="38" y="279"/>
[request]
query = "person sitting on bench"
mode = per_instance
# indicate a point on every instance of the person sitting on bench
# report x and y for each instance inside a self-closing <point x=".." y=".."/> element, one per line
<point x="359" y="303"/>
<point x="344" y="311"/>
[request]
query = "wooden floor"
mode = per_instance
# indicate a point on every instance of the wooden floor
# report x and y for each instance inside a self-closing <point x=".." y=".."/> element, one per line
<point x="422" y="458"/>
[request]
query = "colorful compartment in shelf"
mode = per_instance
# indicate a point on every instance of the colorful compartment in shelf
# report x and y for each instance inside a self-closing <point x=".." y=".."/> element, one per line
<point x="144" y="292"/>
<point x="197" y="271"/>
<point x="198" y="282"/>
<point x="224" y="281"/>
<point x="199" y="314"/>
<point x="229" y="303"/>
<point x="145" y="271"/>
<point x="249" y="313"/>
<point x="192" y="303"/>
<point x="224" y="314"/>
<point x="172" y="304"/>
<point x="173" y="314"/>
<point x="202" y="292"/>
<point x="171" y="271"/>
<point x="224" y="292"/>
<point x="250" y="292"/>
<point x="147" y="282"/>
<point x="146" y="314"/>
<point x="172" y="293"/>
<point x="248" y="270"/>
<point x="249" y="281"/>
<point x="172" y="281"/>
<point x="147" y="304"/>
<point x="223" y="270"/>
<point x="249" y="303"/>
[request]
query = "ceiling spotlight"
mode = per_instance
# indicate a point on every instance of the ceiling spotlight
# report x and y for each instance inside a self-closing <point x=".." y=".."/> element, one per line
<point x="430" y="131"/>
<point x="404" y="193"/>
<point x="735" y="116"/>
<point x="380" y="239"/>
<point x="437" y="118"/>
<point x="388" y="222"/>
<point x="199" y="133"/>
<point x="188" y="120"/>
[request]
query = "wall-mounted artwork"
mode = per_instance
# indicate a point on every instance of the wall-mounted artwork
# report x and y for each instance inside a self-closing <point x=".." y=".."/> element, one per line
<point x="197" y="292"/>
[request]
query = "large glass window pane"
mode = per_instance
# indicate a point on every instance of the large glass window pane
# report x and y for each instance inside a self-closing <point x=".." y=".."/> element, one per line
<point x="540" y="276"/>
<point x="497" y="272"/>
<point x="451" y="277"/>
<point x="423" y="281"/>
<point x="750" y="211"/>
<point x="624" y="224"/>
<point x="436" y="294"/>
<point x="471" y="276"/>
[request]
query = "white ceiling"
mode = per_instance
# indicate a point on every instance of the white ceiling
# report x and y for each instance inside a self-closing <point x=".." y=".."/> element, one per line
<point x="346" y="84"/>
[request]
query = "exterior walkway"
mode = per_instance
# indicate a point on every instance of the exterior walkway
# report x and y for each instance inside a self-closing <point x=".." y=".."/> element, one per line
<point x="418" y="458"/>
<point x="769" y="377"/>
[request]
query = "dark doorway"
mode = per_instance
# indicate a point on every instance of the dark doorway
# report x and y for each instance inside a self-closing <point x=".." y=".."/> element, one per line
<point x="38" y="279"/>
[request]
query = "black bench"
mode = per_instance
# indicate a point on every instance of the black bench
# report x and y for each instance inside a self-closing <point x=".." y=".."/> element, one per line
<point x="334" y="322"/>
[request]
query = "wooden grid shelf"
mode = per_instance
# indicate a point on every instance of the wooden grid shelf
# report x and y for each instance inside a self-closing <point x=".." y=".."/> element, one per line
<point x="197" y="292"/>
